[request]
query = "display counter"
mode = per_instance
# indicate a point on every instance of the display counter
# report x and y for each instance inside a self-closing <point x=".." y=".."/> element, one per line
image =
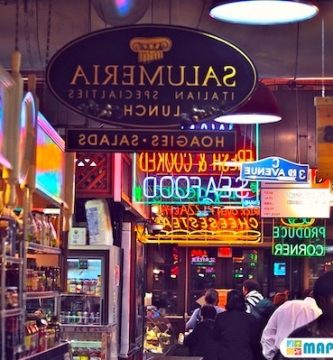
<point x="159" y="336"/>
<point x="61" y="351"/>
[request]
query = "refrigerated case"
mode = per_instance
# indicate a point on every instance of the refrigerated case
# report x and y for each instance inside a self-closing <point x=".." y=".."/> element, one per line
<point x="91" y="304"/>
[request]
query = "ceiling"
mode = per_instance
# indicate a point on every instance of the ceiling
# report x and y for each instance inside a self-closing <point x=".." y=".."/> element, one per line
<point x="284" y="51"/>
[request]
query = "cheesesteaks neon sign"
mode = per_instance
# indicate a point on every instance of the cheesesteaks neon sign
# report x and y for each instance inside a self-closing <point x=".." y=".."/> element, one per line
<point x="185" y="224"/>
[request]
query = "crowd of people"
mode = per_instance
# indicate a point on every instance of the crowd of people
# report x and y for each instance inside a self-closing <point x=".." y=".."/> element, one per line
<point x="252" y="327"/>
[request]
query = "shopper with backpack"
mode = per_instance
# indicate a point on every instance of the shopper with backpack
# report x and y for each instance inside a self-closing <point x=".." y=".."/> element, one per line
<point x="257" y="305"/>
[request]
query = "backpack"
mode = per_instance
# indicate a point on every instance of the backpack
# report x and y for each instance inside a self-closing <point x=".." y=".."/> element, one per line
<point x="263" y="310"/>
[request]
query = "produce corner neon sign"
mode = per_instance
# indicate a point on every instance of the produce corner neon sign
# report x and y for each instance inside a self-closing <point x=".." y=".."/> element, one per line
<point x="299" y="238"/>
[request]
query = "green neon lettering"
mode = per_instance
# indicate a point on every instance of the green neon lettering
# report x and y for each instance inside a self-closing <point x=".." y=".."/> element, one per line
<point x="277" y="249"/>
<point x="302" y="250"/>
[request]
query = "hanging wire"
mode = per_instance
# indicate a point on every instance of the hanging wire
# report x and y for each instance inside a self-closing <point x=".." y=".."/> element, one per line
<point x="37" y="30"/>
<point x="297" y="97"/>
<point x="89" y="16"/>
<point x="48" y="33"/>
<point x="322" y="57"/>
<point x="201" y="13"/>
<point x="152" y="11"/>
<point x="170" y="5"/>
<point x="27" y="30"/>
<point x="17" y="11"/>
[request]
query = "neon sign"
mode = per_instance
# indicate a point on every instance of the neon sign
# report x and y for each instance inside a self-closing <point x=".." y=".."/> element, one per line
<point x="222" y="190"/>
<point x="181" y="224"/>
<point x="193" y="163"/>
<point x="299" y="237"/>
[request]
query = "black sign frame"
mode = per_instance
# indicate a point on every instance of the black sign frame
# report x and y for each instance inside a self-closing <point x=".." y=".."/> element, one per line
<point x="150" y="76"/>
<point x="138" y="140"/>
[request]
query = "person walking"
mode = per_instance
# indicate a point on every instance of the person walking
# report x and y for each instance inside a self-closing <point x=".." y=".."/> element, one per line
<point x="211" y="298"/>
<point x="236" y="330"/>
<point x="286" y="318"/>
<point x="200" y="341"/>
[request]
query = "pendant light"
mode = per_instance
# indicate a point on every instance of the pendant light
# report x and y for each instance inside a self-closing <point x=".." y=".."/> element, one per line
<point x="261" y="108"/>
<point x="263" y="12"/>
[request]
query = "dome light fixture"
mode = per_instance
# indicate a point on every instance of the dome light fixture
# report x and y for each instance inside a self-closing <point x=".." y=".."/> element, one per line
<point x="261" y="108"/>
<point x="263" y="12"/>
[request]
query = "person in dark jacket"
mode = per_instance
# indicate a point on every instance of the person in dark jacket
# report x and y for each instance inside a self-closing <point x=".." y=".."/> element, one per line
<point x="200" y="340"/>
<point x="322" y="327"/>
<point x="236" y="330"/>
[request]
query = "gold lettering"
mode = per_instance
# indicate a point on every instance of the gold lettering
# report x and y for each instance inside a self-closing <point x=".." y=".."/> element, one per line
<point x="104" y="140"/>
<point x="92" y="139"/>
<point x="82" y="139"/>
<point x="211" y="75"/>
<point x="153" y="110"/>
<point x="195" y="142"/>
<point x="155" y="140"/>
<point x="144" y="75"/>
<point x="196" y="77"/>
<point x="181" y="76"/>
<point x="129" y="75"/>
<point x="96" y="68"/>
<point x="112" y="72"/>
<point x="128" y="110"/>
<point x="79" y="73"/>
<point x="135" y="140"/>
<point x="182" y="141"/>
<point x="229" y="76"/>
<point x="124" y="140"/>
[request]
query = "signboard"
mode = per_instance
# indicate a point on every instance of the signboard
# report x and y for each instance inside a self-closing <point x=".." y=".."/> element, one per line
<point x="151" y="76"/>
<point x="299" y="237"/>
<point x="274" y="169"/>
<point x="295" y="202"/>
<point x="207" y="224"/>
<point x="184" y="189"/>
<point x="100" y="140"/>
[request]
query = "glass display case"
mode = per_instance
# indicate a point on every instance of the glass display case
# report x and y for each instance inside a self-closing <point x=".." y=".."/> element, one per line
<point x="90" y="342"/>
<point x="159" y="335"/>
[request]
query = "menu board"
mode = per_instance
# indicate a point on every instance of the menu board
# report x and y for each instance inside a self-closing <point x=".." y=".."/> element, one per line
<point x="295" y="202"/>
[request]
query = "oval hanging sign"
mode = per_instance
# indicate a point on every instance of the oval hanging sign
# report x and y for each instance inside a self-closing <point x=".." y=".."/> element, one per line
<point x="154" y="76"/>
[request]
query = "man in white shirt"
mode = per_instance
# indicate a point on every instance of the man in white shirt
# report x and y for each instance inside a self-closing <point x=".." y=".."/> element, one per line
<point x="289" y="316"/>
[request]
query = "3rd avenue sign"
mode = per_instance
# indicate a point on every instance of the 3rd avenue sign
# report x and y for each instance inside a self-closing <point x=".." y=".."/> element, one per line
<point x="150" y="76"/>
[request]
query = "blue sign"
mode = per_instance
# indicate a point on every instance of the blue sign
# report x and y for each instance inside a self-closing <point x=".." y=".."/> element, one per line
<point x="274" y="169"/>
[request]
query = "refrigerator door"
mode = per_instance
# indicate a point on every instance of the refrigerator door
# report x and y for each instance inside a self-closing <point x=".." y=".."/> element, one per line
<point x="85" y="293"/>
<point x="114" y="299"/>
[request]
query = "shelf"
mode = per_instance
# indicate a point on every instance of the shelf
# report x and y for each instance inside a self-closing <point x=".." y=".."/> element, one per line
<point x="80" y="294"/>
<point x="11" y="259"/>
<point x="33" y="295"/>
<point x="43" y="249"/>
<point x="86" y="328"/>
<point x="90" y="247"/>
<point x="11" y="312"/>
<point x="60" y="351"/>
<point x="86" y="344"/>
